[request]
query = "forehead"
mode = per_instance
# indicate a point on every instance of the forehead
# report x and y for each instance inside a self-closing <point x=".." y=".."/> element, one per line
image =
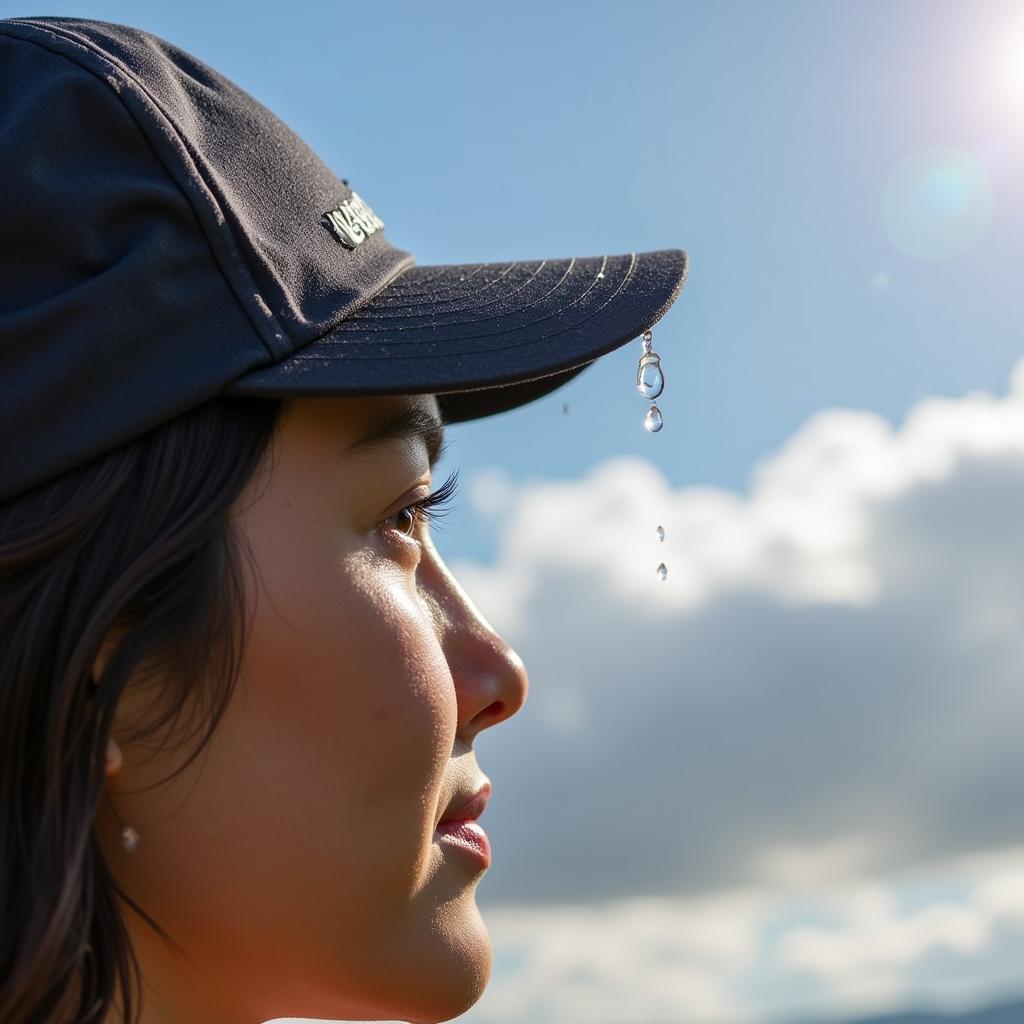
<point x="350" y="425"/>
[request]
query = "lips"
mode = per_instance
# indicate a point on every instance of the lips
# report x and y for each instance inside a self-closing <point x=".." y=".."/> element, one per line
<point x="458" y="829"/>
<point x="469" y="807"/>
<point x="468" y="837"/>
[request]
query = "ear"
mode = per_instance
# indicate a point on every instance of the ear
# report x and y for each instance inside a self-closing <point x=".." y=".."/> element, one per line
<point x="114" y="758"/>
<point x="106" y="652"/>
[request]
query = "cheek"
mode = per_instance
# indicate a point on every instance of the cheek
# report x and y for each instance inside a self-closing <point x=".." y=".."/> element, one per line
<point x="356" y="693"/>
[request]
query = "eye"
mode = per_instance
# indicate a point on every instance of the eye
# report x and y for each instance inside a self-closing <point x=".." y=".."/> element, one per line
<point x="410" y="515"/>
<point x="433" y="506"/>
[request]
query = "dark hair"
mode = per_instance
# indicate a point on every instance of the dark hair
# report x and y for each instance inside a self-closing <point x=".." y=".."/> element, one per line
<point x="139" y="540"/>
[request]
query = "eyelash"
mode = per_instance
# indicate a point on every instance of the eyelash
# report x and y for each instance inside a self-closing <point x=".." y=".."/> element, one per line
<point x="433" y="506"/>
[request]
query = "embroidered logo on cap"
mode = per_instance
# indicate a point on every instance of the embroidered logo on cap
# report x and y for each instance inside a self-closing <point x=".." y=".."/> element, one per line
<point x="352" y="222"/>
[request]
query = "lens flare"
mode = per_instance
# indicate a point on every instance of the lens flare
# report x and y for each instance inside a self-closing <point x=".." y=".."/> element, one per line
<point x="937" y="204"/>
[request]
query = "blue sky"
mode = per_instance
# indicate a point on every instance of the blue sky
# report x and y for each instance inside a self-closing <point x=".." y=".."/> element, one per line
<point x="835" y="822"/>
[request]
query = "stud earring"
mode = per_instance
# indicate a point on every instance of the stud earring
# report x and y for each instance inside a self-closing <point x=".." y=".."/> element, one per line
<point x="130" y="838"/>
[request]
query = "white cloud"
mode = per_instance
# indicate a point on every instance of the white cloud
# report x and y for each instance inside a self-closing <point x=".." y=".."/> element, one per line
<point x="885" y="941"/>
<point x="490" y="491"/>
<point x="622" y="961"/>
<point x="828" y="683"/>
<point x="795" y="864"/>
<point x="824" y="952"/>
<point x="802" y="536"/>
<point x="751" y="792"/>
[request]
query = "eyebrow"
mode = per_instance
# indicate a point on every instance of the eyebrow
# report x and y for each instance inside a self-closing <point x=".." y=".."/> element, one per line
<point x="406" y="422"/>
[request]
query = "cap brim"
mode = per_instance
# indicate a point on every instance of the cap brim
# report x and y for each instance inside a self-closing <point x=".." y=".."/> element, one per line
<point x="483" y="337"/>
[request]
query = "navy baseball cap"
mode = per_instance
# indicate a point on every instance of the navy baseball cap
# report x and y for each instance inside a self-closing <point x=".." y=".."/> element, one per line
<point x="166" y="238"/>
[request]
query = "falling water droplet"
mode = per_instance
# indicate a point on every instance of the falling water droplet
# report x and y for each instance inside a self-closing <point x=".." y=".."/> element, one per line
<point x="650" y="381"/>
<point x="565" y="408"/>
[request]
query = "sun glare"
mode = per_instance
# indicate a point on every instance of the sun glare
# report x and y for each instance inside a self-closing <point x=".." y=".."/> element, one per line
<point x="1009" y="65"/>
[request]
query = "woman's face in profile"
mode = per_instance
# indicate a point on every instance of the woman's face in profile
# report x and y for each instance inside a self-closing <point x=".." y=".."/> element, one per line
<point x="295" y="860"/>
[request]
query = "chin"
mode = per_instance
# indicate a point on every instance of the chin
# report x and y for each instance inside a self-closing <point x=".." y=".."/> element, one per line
<point x="453" y="975"/>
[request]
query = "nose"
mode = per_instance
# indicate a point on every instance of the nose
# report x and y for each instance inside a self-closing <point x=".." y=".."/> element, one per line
<point x="491" y="681"/>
